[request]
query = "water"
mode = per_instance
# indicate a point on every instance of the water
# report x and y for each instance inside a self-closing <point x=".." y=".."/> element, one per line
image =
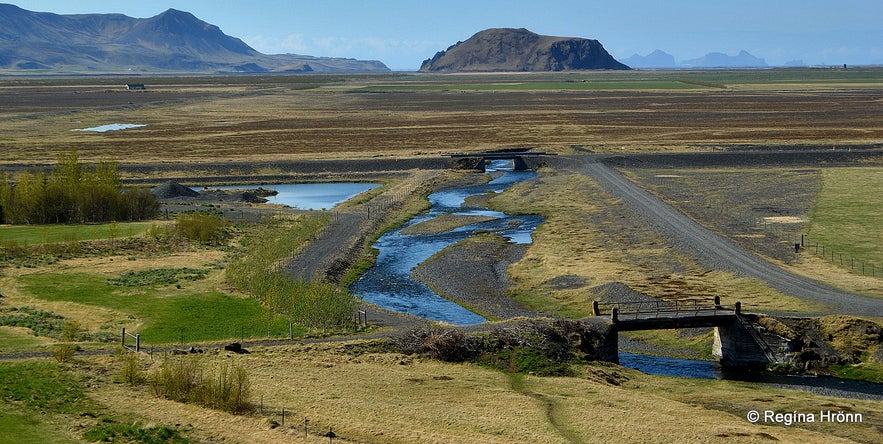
<point x="388" y="283"/>
<point x="111" y="127"/>
<point x="309" y="196"/>
<point x="665" y="366"/>
<point x="688" y="368"/>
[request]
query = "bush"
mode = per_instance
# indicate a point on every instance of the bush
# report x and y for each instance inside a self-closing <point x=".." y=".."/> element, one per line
<point x="542" y="347"/>
<point x="189" y="379"/>
<point x="63" y="352"/>
<point x="130" y="368"/>
<point x="203" y="228"/>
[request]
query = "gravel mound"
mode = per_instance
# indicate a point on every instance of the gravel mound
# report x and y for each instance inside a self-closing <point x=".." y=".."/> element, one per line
<point x="172" y="189"/>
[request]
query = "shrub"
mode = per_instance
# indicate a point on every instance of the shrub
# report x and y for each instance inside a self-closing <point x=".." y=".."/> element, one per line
<point x="130" y="368"/>
<point x="63" y="352"/>
<point x="71" y="331"/>
<point x="191" y="380"/>
<point x="203" y="227"/>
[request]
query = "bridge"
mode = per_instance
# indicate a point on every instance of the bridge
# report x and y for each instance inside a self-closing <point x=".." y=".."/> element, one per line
<point x="522" y="159"/>
<point x="738" y="342"/>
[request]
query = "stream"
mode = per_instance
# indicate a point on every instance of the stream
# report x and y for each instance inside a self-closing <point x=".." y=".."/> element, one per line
<point x="388" y="283"/>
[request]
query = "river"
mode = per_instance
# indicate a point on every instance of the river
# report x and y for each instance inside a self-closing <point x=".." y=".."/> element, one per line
<point x="388" y="283"/>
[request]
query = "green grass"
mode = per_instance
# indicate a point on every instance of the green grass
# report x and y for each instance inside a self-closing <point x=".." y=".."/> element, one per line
<point x="49" y="234"/>
<point x="867" y="371"/>
<point x="28" y="428"/>
<point x="47" y="388"/>
<point x="848" y="215"/>
<point x="169" y="314"/>
<point x="12" y="341"/>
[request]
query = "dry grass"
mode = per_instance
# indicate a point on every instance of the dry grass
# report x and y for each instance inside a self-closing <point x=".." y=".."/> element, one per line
<point x="274" y="121"/>
<point x="375" y="396"/>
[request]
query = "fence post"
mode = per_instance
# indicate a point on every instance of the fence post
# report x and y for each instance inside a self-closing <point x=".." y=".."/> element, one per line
<point x="595" y="309"/>
<point x="137" y="342"/>
<point x="123" y="338"/>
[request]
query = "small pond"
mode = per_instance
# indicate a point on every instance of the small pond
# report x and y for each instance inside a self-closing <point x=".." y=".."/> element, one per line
<point x="111" y="127"/>
<point x="309" y="196"/>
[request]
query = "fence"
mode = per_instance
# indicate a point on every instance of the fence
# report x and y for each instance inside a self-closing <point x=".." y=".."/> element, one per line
<point x="137" y="337"/>
<point x="866" y="268"/>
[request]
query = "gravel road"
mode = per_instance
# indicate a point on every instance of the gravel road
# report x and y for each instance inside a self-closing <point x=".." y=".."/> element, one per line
<point x="715" y="251"/>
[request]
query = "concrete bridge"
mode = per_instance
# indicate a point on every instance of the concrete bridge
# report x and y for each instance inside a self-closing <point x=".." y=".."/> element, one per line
<point x="522" y="159"/>
<point x="738" y="342"/>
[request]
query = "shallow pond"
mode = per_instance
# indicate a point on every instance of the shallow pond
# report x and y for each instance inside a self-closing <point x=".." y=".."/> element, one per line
<point x="388" y="283"/>
<point x="309" y="196"/>
<point x="111" y="127"/>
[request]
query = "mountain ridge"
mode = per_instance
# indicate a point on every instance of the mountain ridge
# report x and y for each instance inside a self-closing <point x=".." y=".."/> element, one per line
<point x="172" y="41"/>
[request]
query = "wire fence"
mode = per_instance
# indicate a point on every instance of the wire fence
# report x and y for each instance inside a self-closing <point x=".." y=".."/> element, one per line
<point x="846" y="260"/>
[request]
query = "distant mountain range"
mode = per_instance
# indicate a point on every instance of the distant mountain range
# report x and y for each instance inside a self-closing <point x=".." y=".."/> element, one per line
<point x="661" y="60"/>
<point x="519" y="50"/>
<point x="174" y="41"/>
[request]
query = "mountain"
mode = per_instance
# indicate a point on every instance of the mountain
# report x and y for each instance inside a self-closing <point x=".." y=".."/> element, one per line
<point x="174" y="41"/>
<point x="656" y="59"/>
<point x="507" y="49"/>
<point x="721" y="60"/>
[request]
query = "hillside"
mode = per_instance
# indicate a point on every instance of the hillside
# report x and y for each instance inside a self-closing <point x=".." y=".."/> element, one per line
<point x="173" y="41"/>
<point x="507" y="49"/>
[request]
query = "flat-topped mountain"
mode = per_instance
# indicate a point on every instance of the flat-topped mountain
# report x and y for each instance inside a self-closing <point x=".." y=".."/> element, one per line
<point x="171" y="41"/>
<point x="508" y="49"/>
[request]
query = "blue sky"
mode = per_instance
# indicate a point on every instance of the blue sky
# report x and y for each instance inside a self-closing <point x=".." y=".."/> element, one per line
<point x="404" y="33"/>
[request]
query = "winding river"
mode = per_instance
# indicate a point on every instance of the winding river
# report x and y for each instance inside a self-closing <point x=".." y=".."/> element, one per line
<point x="388" y="283"/>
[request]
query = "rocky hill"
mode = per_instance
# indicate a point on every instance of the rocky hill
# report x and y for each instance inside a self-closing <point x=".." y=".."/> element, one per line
<point x="174" y="41"/>
<point x="507" y="49"/>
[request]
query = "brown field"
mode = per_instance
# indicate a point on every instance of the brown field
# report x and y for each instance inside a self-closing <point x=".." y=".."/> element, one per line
<point x="282" y="118"/>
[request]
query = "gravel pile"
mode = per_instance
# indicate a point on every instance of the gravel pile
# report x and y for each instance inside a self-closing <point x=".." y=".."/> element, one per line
<point x="173" y="189"/>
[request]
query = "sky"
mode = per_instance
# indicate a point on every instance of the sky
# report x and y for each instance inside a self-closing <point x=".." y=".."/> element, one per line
<point x="403" y="33"/>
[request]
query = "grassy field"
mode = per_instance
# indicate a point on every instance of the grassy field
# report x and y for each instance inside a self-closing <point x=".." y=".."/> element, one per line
<point x="166" y="314"/>
<point x="848" y="216"/>
<point x="46" y="234"/>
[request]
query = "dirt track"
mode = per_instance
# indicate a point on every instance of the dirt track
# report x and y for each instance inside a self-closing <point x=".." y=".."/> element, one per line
<point x="717" y="252"/>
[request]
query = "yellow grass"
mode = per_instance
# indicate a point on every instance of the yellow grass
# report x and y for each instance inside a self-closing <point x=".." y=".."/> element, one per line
<point x="381" y="397"/>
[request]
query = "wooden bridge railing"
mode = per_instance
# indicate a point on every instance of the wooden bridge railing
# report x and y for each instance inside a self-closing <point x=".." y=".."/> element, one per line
<point x="665" y="309"/>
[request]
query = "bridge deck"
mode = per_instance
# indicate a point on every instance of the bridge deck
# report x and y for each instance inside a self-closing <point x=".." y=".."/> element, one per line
<point x="660" y="315"/>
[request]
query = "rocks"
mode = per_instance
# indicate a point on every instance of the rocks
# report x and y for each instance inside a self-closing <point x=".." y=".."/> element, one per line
<point x="236" y="348"/>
